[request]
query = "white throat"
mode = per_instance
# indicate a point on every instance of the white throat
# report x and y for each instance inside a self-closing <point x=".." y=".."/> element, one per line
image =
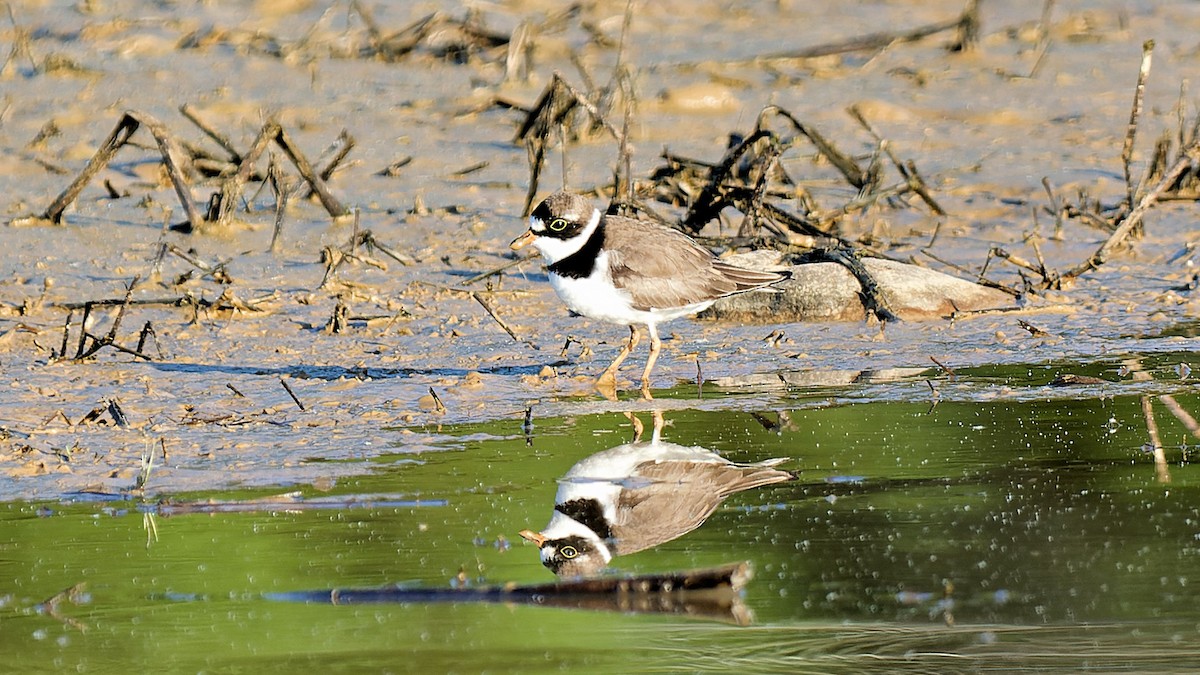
<point x="564" y="526"/>
<point x="553" y="249"/>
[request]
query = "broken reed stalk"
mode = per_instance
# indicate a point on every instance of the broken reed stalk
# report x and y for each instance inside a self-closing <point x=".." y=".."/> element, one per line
<point x="1188" y="156"/>
<point x="907" y="169"/>
<point x="871" y="295"/>
<point x="487" y="306"/>
<point x="62" y="352"/>
<point x="949" y="371"/>
<point x="1135" y="112"/>
<point x="109" y="340"/>
<point x="493" y="272"/>
<point x="223" y="203"/>
<point x="341" y="149"/>
<point x="288" y="388"/>
<point x="275" y="179"/>
<point x="220" y="139"/>
<point x="550" y="113"/>
<point x="439" y="407"/>
<point x="129" y="123"/>
<point x="334" y="207"/>
<point x="966" y="24"/>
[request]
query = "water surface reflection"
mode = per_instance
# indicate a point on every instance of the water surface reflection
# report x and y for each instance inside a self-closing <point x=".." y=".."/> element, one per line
<point x="636" y="496"/>
<point x="1029" y="533"/>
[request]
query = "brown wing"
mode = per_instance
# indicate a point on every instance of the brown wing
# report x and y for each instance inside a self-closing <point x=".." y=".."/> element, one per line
<point x="661" y="268"/>
<point x="678" y="497"/>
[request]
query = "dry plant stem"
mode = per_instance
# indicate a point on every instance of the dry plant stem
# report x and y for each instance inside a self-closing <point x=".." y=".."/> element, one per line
<point x="1015" y="259"/>
<point x="870" y="41"/>
<point x="344" y="144"/>
<point x="220" y="139"/>
<point x="907" y="169"/>
<point x="487" y="306"/>
<point x="624" y="182"/>
<point x="331" y="203"/>
<point x="116" y="413"/>
<point x="711" y="199"/>
<point x="62" y="352"/>
<point x="288" y="388"/>
<point x="1044" y="40"/>
<point x="128" y="124"/>
<point x="87" y="313"/>
<point x="368" y="239"/>
<point x="872" y="296"/>
<point x="98" y="344"/>
<point x="281" y="200"/>
<point x="147" y="332"/>
<point x="231" y="189"/>
<point x="1188" y="157"/>
<point x="1139" y="94"/>
<point x="556" y="103"/>
<point x="439" y="407"/>
<point x="843" y="163"/>
<point x="493" y="272"/>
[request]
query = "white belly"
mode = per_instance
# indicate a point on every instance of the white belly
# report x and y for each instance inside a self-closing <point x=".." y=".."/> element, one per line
<point x="596" y="298"/>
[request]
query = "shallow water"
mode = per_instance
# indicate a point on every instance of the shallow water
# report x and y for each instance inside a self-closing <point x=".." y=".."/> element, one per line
<point x="1031" y="530"/>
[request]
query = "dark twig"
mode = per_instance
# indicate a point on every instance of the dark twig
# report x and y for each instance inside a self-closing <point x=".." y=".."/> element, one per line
<point x="487" y="306"/>
<point x="492" y="272"/>
<point x="868" y="42"/>
<point x="129" y="123"/>
<point x="107" y="340"/>
<point x="439" y="407"/>
<point x="234" y="156"/>
<point x="287" y="387"/>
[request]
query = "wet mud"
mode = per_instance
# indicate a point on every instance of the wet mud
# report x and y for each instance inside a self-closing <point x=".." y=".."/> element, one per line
<point x="288" y="358"/>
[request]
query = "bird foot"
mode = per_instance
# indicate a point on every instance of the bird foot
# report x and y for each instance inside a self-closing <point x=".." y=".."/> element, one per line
<point x="607" y="386"/>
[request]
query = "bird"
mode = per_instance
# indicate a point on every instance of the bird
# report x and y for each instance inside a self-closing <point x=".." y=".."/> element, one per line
<point x="629" y="271"/>
<point x="636" y="496"/>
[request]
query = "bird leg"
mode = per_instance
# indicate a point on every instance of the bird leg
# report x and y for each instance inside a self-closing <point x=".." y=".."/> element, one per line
<point x="638" y="427"/>
<point x="608" y="379"/>
<point x="655" y="345"/>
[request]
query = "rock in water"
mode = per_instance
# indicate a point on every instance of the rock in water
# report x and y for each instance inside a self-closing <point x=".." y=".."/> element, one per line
<point x="828" y="291"/>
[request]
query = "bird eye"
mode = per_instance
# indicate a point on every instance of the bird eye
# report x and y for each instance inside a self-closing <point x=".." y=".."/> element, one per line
<point x="558" y="225"/>
<point x="568" y="552"/>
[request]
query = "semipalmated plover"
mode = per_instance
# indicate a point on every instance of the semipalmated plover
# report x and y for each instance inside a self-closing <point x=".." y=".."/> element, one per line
<point x="629" y="271"/>
<point x="635" y="496"/>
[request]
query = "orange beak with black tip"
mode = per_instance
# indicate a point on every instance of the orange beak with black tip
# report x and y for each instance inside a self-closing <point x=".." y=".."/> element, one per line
<point x="523" y="240"/>
<point x="530" y="535"/>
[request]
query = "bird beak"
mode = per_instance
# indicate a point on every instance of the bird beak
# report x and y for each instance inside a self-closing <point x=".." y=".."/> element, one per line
<point x="535" y="537"/>
<point x="523" y="240"/>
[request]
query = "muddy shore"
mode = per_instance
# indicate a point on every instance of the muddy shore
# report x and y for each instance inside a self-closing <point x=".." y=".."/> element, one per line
<point x="985" y="127"/>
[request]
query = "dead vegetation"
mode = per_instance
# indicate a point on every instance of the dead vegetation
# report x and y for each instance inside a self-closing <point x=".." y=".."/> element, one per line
<point x="231" y="172"/>
<point x="777" y="210"/>
<point x="747" y="190"/>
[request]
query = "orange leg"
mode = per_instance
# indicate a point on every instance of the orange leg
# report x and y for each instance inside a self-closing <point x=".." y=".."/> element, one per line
<point x="655" y="346"/>
<point x="608" y="379"/>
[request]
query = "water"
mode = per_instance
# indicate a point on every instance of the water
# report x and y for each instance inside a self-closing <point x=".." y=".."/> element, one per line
<point x="1030" y="529"/>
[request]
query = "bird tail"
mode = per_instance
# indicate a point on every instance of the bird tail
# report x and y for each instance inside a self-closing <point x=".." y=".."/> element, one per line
<point x="750" y="280"/>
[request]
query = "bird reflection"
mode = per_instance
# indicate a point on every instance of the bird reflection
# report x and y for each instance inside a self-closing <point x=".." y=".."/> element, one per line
<point x="636" y="496"/>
